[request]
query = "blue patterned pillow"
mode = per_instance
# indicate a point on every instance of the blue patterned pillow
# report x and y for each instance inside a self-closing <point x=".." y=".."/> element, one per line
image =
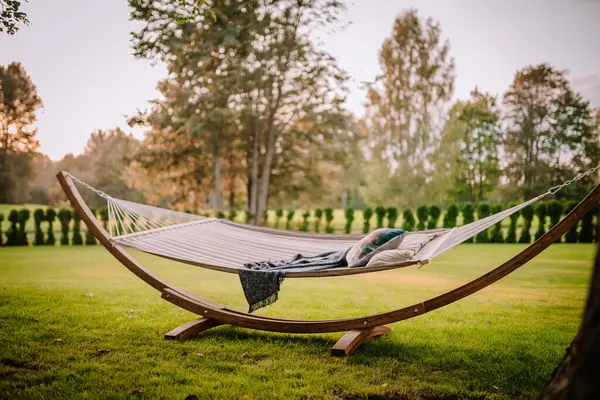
<point x="376" y="241"/>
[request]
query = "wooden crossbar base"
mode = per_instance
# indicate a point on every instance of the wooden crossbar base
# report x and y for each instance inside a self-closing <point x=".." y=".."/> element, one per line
<point x="343" y="347"/>
<point x="353" y="339"/>
<point x="191" y="329"/>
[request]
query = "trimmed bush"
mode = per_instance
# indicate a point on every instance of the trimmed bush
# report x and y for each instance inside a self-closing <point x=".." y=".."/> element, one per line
<point x="89" y="237"/>
<point x="468" y="216"/>
<point x="50" y="217"/>
<point x="220" y="215"/>
<point x="586" y="233"/>
<point x="434" y="217"/>
<point x="249" y="217"/>
<point x="266" y="217"/>
<point x="497" y="234"/>
<point x="511" y="236"/>
<point x="451" y="216"/>
<point x="12" y="235"/>
<point x="349" y="214"/>
<point x="24" y="215"/>
<point x="572" y="234"/>
<point x="103" y="212"/>
<point x="380" y="215"/>
<point x="38" y="218"/>
<point x="555" y="210"/>
<point x="423" y="215"/>
<point x="289" y="219"/>
<point x="408" y="220"/>
<point x="278" y="216"/>
<point x="318" y="217"/>
<point x="1" y="237"/>
<point x="367" y="215"/>
<point x="483" y="211"/>
<point x="233" y="213"/>
<point x="64" y="217"/>
<point x="392" y="215"/>
<point x="305" y="217"/>
<point x="76" y="239"/>
<point x="328" y="220"/>
<point x="527" y="213"/>
<point x="541" y="211"/>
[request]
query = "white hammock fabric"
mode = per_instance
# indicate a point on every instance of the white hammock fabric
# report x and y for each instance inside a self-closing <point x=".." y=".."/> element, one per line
<point x="226" y="246"/>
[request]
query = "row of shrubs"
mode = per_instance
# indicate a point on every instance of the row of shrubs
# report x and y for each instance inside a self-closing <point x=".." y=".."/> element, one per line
<point x="548" y="214"/>
<point x="16" y="234"/>
<point x="427" y="217"/>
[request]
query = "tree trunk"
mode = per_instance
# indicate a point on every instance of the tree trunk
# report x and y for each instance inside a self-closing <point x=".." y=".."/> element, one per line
<point x="217" y="177"/>
<point x="576" y="377"/>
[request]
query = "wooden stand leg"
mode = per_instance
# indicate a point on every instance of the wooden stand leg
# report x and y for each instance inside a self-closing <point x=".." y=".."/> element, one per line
<point x="190" y="329"/>
<point x="353" y="339"/>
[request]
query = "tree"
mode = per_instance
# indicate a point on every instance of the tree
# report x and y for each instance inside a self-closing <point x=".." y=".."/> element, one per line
<point x="541" y="211"/>
<point x="572" y="235"/>
<point x="90" y="239"/>
<point x="38" y="217"/>
<point x="476" y="171"/>
<point x="289" y="219"/>
<point x="76" y="238"/>
<point x="317" y="221"/>
<point x="380" y="212"/>
<point x="416" y="81"/>
<point x="497" y="235"/>
<point x="24" y="215"/>
<point x="11" y="16"/>
<point x="50" y="217"/>
<point x="349" y="214"/>
<point x="392" y="215"/>
<point x="256" y="92"/>
<point x="1" y="233"/>
<point x="64" y="217"/>
<point x="305" y="217"/>
<point x="19" y="104"/>
<point x="12" y="235"/>
<point x="511" y="237"/>
<point x="550" y="131"/>
<point x="408" y="220"/>
<point x="451" y="216"/>
<point x="328" y="220"/>
<point x="527" y="212"/>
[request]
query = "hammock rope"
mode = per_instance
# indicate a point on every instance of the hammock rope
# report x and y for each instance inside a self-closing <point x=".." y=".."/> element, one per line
<point x="226" y="246"/>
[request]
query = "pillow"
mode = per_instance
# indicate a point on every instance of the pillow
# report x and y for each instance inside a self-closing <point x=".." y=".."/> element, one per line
<point x="390" y="258"/>
<point x="411" y="244"/>
<point x="376" y="241"/>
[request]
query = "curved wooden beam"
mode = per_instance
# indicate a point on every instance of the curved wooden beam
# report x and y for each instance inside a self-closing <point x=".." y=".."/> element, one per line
<point x="209" y="309"/>
<point x="353" y="339"/>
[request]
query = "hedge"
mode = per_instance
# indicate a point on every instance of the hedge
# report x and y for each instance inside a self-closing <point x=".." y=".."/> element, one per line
<point x="434" y="217"/>
<point x="422" y="214"/>
<point x="278" y="216"/>
<point x="367" y="215"/>
<point x="541" y="211"/>
<point x="380" y="215"/>
<point x="511" y="236"/>
<point x="233" y="213"/>
<point x="527" y="213"/>
<point x="289" y="218"/>
<point x="318" y="217"/>
<point x="305" y="216"/>
<point x="76" y="239"/>
<point x="408" y="220"/>
<point x="328" y="220"/>
<point x="468" y="216"/>
<point x="24" y="215"/>
<point x="103" y="212"/>
<point x="1" y="221"/>
<point x="497" y="234"/>
<point x="572" y="234"/>
<point x="451" y="216"/>
<point x="12" y="235"/>
<point x="50" y="217"/>
<point x="38" y="218"/>
<point x="392" y="214"/>
<point x="89" y="237"/>
<point x="64" y="217"/>
<point x="586" y="233"/>
<point x="349" y="214"/>
<point x="483" y="211"/>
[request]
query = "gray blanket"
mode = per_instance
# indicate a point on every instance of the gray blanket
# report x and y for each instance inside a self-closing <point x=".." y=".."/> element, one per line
<point x="262" y="280"/>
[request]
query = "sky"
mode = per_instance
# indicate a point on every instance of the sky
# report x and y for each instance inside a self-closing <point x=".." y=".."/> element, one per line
<point x="78" y="54"/>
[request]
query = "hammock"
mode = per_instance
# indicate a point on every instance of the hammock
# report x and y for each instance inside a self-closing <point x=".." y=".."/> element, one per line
<point x="204" y="241"/>
<point x="226" y="246"/>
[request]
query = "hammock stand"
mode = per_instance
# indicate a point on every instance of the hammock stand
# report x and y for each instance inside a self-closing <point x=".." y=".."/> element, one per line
<point x="359" y="329"/>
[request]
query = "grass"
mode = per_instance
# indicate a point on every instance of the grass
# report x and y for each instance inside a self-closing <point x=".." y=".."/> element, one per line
<point x="76" y="324"/>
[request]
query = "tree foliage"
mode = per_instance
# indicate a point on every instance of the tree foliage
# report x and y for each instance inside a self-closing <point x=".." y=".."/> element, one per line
<point x="367" y="215"/>
<point x="11" y="16"/>
<point x="511" y="236"/>
<point x="50" y="217"/>
<point x="483" y="211"/>
<point x="527" y="212"/>
<point x="380" y="212"/>
<point x="541" y="211"/>
<point x="572" y="234"/>
<point x="468" y="213"/>
<point x="19" y="103"/>
<point x="64" y="217"/>
<point x="408" y="220"/>
<point x="497" y="234"/>
<point x="423" y="215"/>
<point x="451" y="216"/>
<point x="434" y="217"/>
<point x="349" y="214"/>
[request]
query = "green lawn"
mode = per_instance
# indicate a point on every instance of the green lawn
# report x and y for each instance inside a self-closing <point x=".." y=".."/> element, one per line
<point x="74" y="323"/>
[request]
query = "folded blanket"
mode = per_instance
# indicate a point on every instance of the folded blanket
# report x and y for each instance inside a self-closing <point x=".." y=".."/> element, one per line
<point x="261" y="280"/>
